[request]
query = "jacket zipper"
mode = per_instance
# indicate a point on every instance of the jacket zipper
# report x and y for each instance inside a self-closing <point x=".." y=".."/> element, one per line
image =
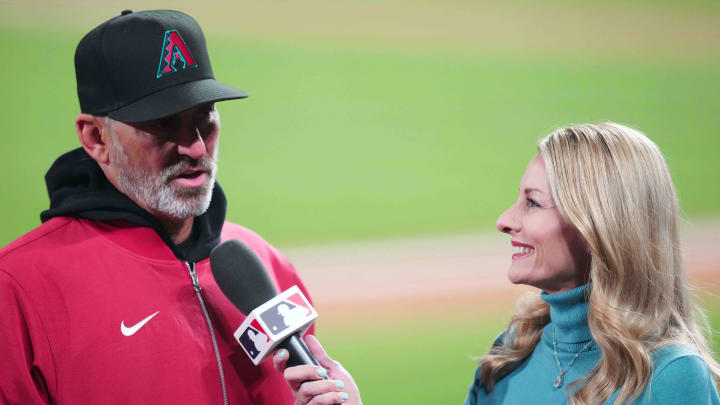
<point x="196" y="287"/>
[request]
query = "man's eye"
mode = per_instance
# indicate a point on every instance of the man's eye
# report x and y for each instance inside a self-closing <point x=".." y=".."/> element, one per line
<point x="162" y="124"/>
<point x="531" y="203"/>
<point x="170" y="123"/>
<point x="205" y="114"/>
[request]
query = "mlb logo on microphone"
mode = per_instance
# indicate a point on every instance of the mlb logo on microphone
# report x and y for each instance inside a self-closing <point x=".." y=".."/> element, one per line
<point x="291" y="312"/>
<point x="254" y="339"/>
<point x="267" y="325"/>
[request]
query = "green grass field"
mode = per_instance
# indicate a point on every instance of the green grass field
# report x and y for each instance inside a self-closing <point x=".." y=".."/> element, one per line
<point x="400" y="135"/>
<point x="336" y="144"/>
<point x="380" y="119"/>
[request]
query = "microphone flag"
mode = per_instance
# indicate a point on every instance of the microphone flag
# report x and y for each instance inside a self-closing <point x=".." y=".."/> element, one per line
<point x="269" y="324"/>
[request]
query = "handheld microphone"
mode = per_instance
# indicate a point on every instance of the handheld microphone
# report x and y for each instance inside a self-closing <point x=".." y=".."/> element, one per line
<point x="272" y="320"/>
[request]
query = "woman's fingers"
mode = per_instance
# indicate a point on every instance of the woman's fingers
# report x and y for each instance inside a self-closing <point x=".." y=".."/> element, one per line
<point x="335" y="370"/>
<point x="331" y="398"/>
<point x="280" y="360"/>
<point x="296" y="376"/>
<point x="316" y="348"/>
<point x="281" y="356"/>
<point x="308" y="383"/>
<point x="321" y="392"/>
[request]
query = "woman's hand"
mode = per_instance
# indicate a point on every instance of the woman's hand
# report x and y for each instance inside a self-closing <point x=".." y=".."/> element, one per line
<point x="308" y="384"/>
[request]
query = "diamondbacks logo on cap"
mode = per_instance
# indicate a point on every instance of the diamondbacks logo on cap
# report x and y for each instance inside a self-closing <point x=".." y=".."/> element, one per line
<point x="291" y="312"/>
<point x="254" y="339"/>
<point x="174" y="51"/>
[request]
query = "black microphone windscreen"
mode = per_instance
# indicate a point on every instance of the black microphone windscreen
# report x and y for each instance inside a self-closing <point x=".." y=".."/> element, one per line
<point x="241" y="275"/>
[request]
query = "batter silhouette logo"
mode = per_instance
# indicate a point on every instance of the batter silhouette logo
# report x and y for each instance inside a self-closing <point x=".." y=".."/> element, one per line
<point x="175" y="53"/>
<point x="291" y="312"/>
<point x="268" y="325"/>
<point x="254" y="339"/>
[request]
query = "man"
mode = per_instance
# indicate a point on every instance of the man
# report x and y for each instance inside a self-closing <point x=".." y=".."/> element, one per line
<point x="111" y="300"/>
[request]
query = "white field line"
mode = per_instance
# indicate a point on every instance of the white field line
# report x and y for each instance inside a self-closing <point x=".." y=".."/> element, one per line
<point x="453" y="266"/>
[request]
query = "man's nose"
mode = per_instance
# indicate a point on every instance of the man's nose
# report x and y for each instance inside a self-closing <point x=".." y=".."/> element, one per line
<point x="193" y="145"/>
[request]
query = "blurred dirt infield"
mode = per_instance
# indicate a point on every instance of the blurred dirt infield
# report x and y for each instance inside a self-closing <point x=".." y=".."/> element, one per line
<point x="669" y="28"/>
<point x="420" y="277"/>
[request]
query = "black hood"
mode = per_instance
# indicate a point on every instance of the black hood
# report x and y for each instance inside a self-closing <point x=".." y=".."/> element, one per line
<point x="78" y="188"/>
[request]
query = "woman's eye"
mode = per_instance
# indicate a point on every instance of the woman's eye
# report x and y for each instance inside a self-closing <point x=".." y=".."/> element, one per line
<point x="531" y="203"/>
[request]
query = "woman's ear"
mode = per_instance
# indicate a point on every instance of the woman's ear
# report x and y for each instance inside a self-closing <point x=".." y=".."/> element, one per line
<point x="90" y="130"/>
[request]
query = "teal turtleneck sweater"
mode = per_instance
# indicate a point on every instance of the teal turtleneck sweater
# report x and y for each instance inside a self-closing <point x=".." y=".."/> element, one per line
<point x="680" y="376"/>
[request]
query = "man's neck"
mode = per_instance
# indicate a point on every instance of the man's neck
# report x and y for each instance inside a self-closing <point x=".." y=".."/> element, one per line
<point x="178" y="229"/>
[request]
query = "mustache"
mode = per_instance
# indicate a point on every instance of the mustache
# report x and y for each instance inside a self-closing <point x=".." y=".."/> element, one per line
<point x="205" y="163"/>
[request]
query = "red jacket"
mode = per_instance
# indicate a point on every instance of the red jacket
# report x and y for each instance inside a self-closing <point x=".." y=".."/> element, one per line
<point x="67" y="286"/>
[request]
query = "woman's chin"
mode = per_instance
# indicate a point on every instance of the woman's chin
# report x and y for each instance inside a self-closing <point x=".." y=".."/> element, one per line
<point x="519" y="274"/>
<point x="518" y="279"/>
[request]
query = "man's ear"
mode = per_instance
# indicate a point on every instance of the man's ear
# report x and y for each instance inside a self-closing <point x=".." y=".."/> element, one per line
<point x="93" y="136"/>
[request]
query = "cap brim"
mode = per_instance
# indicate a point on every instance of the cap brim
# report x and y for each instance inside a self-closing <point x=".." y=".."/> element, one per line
<point x="176" y="99"/>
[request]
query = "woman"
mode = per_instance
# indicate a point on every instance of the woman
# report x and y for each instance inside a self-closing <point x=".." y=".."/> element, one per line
<point x="595" y="230"/>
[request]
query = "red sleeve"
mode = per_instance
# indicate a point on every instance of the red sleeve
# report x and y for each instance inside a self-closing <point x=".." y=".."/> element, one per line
<point x="24" y="348"/>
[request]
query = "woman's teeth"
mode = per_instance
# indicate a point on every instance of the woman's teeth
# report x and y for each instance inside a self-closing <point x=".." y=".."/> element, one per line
<point x="523" y="250"/>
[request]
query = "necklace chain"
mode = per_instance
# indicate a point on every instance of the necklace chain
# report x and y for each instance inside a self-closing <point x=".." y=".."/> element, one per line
<point x="559" y="380"/>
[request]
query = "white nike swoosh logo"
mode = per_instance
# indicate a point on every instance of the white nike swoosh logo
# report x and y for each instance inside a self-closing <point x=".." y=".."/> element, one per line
<point x="131" y="330"/>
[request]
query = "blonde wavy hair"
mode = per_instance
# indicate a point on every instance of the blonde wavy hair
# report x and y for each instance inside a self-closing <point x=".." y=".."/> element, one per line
<point x="612" y="184"/>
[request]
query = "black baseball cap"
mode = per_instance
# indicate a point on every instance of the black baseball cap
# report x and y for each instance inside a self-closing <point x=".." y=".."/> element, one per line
<point x="145" y="66"/>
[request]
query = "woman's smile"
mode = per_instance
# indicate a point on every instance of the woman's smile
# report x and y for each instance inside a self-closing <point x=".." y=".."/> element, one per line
<point x="522" y="250"/>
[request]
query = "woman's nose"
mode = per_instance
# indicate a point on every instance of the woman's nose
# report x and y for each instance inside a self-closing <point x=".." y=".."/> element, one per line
<point x="507" y="222"/>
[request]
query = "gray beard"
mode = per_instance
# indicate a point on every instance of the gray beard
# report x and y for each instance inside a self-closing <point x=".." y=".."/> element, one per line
<point x="155" y="194"/>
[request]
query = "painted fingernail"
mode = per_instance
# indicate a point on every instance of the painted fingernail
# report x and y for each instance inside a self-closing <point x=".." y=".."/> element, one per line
<point x="344" y="396"/>
<point x="322" y="372"/>
<point x="281" y="354"/>
<point x="339" y="384"/>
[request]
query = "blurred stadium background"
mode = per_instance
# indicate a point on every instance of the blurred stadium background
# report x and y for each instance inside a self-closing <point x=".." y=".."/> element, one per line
<point x="382" y="139"/>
